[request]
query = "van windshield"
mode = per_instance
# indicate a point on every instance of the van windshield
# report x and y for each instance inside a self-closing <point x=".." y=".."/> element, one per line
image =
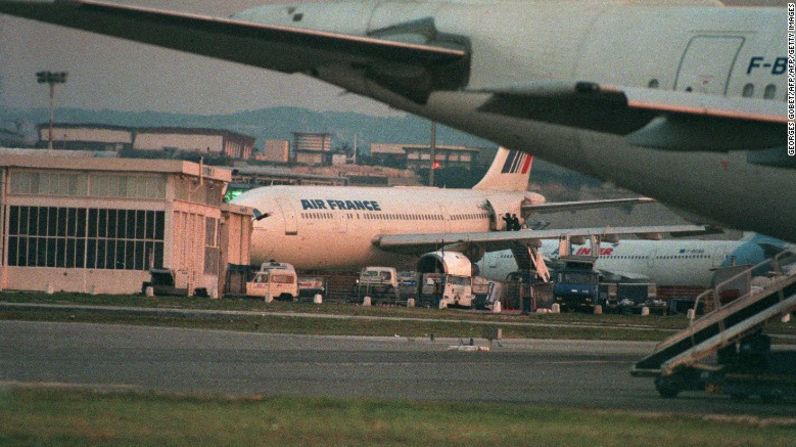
<point x="579" y="278"/>
<point x="281" y="278"/>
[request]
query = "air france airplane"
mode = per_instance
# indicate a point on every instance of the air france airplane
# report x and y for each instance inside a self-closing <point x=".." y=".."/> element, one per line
<point x="686" y="263"/>
<point x="322" y="227"/>
<point x="683" y="101"/>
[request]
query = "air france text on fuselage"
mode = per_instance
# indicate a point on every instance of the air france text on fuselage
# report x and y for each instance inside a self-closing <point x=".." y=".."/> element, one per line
<point x="346" y="205"/>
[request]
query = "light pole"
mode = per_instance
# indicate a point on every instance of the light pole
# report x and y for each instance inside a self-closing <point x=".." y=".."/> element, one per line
<point x="51" y="78"/>
<point x="433" y="152"/>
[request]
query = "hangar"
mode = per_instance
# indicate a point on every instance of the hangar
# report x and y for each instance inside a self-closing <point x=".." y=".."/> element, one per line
<point x="97" y="225"/>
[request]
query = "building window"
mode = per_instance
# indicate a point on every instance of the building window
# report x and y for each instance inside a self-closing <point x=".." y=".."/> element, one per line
<point x="85" y="238"/>
<point x="208" y="193"/>
<point x="67" y="184"/>
<point x="131" y="187"/>
<point x="212" y="250"/>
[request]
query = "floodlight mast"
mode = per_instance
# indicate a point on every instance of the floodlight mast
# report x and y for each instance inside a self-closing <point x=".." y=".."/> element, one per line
<point x="51" y="78"/>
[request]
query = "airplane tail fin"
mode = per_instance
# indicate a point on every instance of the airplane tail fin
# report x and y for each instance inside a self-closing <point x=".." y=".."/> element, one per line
<point x="510" y="171"/>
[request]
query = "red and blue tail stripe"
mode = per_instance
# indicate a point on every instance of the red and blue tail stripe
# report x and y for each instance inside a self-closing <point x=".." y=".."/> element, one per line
<point x="517" y="163"/>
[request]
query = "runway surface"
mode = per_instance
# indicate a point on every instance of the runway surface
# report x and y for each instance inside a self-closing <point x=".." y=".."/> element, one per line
<point x="546" y="372"/>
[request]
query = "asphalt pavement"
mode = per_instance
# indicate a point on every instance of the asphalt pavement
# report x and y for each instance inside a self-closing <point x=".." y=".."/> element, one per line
<point x="545" y="372"/>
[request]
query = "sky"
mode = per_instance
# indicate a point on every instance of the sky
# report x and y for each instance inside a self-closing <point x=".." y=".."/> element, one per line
<point x="107" y="73"/>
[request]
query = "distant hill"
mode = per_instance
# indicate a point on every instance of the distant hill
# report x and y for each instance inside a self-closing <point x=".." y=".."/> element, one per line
<point x="272" y="123"/>
<point x="281" y="122"/>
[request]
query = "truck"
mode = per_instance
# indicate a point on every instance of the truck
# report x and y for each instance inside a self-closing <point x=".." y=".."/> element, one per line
<point x="630" y="297"/>
<point x="576" y="284"/>
<point x="379" y="283"/>
<point x="274" y="280"/>
<point x="445" y="280"/>
<point x="407" y="284"/>
<point x="634" y="296"/>
<point x="309" y="286"/>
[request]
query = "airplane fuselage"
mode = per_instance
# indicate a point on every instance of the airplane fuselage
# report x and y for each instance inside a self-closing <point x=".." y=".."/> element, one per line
<point x="732" y="52"/>
<point x="687" y="263"/>
<point x="681" y="103"/>
<point x="318" y="228"/>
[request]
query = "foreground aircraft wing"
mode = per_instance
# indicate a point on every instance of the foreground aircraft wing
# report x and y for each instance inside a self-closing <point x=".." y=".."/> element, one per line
<point x="580" y="205"/>
<point x="501" y="240"/>
<point x="661" y="119"/>
<point x="275" y="47"/>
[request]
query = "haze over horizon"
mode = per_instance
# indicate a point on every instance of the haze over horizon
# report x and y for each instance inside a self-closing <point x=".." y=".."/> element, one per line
<point x="109" y="73"/>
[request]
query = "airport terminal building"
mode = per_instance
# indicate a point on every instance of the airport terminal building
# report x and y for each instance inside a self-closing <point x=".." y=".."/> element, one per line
<point x="76" y="223"/>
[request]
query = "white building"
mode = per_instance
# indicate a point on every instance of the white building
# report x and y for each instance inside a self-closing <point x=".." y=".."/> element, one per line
<point x="207" y="141"/>
<point x="93" y="137"/>
<point x="97" y="225"/>
<point x="276" y="151"/>
<point x="313" y="148"/>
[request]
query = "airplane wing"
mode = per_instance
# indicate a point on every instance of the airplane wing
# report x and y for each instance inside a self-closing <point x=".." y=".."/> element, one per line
<point x="661" y="119"/>
<point x="411" y="69"/>
<point x="501" y="240"/>
<point x="580" y="205"/>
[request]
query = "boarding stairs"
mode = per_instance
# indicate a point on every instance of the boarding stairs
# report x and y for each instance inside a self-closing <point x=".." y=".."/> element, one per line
<point x="731" y="319"/>
<point x="529" y="257"/>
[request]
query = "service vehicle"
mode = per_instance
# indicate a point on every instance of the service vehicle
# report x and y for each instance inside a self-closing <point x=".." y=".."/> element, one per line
<point x="379" y="283"/>
<point x="728" y="350"/>
<point x="274" y="280"/>
<point x="309" y="286"/>
<point x="445" y="280"/>
<point x="576" y="284"/>
<point x="407" y="283"/>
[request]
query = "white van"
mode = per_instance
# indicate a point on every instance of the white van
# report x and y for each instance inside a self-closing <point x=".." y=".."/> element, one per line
<point x="274" y="280"/>
<point x="380" y="283"/>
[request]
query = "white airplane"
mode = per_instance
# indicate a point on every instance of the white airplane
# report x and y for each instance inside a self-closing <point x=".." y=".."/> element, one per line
<point x="322" y="227"/>
<point x="688" y="263"/>
<point x="683" y="101"/>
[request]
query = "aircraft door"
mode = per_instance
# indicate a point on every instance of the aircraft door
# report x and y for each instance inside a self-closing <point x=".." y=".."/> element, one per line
<point x="341" y="221"/>
<point x="444" y="213"/>
<point x="707" y="64"/>
<point x="651" y="260"/>
<point x="289" y="215"/>
<point x="493" y="219"/>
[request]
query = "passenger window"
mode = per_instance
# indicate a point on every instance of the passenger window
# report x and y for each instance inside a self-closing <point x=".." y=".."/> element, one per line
<point x="748" y="90"/>
<point x="770" y="91"/>
<point x="653" y="83"/>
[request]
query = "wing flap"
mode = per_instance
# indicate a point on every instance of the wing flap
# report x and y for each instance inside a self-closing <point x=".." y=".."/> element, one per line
<point x="662" y="119"/>
<point x="580" y="205"/>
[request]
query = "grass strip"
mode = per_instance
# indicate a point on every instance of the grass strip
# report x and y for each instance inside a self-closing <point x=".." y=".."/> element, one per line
<point x="667" y="322"/>
<point x="72" y="417"/>
<point x="327" y="326"/>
